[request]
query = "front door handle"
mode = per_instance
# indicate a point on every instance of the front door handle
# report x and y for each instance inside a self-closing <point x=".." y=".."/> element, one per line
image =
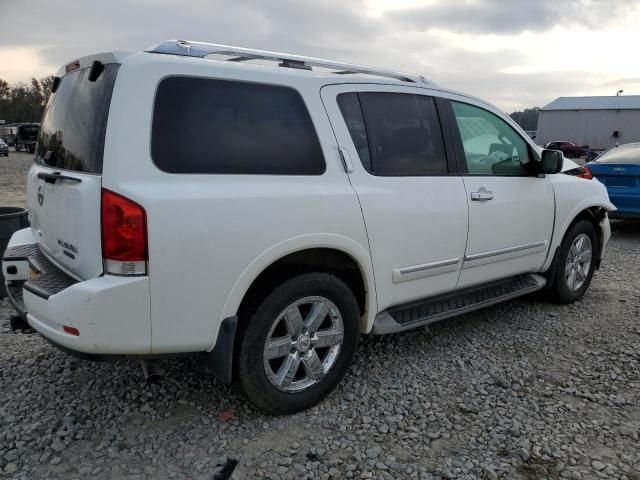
<point x="481" y="195"/>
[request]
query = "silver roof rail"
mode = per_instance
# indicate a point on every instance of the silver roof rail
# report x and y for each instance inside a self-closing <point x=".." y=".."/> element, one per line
<point x="240" y="54"/>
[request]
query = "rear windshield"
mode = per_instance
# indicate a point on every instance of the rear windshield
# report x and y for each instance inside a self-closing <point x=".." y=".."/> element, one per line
<point x="622" y="154"/>
<point x="75" y="121"/>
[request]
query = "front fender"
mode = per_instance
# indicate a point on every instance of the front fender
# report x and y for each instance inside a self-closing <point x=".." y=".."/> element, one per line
<point x="573" y="196"/>
<point x="303" y="242"/>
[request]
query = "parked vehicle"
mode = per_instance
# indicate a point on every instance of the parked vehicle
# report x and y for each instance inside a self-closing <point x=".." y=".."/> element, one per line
<point x="4" y="148"/>
<point x="619" y="170"/>
<point x="21" y="136"/>
<point x="8" y="133"/>
<point x="26" y="136"/>
<point x="322" y="201"/>
<point x="572" y="150"/>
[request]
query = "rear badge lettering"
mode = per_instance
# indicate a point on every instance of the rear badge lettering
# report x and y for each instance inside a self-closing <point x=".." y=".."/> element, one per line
<point x="69" y="249"/>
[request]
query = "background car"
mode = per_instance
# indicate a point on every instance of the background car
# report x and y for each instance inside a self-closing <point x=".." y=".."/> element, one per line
<point x="571" y="150"/>
<point x="619" y="170"/>
<point x="4" y="148"/>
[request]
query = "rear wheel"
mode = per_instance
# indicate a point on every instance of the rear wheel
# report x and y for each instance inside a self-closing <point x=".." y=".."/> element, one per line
<point x="576" y="262"/>
<point x="298" y="343"/>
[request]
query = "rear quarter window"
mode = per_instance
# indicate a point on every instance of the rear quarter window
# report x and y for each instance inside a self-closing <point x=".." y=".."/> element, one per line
<point x="212" y="126"/>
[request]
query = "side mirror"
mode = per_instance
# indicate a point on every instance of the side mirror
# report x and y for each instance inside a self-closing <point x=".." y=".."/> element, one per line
<point x="552" y="161"/>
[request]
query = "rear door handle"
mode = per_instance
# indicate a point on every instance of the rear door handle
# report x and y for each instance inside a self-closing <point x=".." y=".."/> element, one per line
<point x="346" y="160"/>
<point x="55" y="176"/>
<point x="481" y="195"/>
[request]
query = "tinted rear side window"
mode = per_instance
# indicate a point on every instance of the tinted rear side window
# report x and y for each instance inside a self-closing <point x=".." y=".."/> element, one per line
<point x="402" y="132"/>
<point x="75" y="121"/>
<point x="217" y="126"/>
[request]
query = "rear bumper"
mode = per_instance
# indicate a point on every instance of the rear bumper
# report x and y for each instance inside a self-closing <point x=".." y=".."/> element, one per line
<point x="111" y="314"/>
<point x="627" y="203"/>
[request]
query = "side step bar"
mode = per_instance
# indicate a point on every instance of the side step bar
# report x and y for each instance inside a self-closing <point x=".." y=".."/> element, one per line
<point x="423" y="312"/>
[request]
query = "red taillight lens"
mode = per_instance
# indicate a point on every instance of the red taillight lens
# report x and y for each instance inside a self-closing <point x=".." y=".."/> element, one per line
<point x="124" y="235"/>
<point x="586" y="173"/>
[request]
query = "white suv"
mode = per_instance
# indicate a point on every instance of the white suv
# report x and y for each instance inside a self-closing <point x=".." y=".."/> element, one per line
<point x="265" y="210"/>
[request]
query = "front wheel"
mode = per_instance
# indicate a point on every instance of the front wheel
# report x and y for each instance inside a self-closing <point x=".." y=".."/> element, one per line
<point x="576" y="262"/>
<point x="298" y="343"/>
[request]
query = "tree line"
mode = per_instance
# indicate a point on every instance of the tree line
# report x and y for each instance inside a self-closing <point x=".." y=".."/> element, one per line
<point x="24" y="101"/>
<point x="527" y="119"/>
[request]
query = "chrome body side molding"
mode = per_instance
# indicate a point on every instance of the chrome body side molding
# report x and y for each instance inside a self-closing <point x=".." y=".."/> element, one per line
<point x="413" y="272"/>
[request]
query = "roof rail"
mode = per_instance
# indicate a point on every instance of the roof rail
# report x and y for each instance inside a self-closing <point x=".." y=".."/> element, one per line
<point x="240" y="54"/>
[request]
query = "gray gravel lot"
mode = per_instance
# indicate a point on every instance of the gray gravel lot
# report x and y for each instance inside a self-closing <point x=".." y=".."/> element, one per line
<point x="523" y="390"/>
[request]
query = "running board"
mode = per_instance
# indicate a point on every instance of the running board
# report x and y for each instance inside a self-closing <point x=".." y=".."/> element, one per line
<point x="423" y="312"/>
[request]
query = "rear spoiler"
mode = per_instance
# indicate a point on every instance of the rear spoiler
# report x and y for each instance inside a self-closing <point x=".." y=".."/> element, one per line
<point x="87" y="61"/>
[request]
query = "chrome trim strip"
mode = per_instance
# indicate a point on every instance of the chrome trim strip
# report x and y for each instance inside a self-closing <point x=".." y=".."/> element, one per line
<point x="428" y="266"/>
<point x="502" y="251"/>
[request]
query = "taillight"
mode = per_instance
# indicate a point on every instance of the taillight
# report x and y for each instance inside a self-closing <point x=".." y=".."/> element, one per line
<point x="586" y="173"/>
<point x="582" y="172"/>
<point x="124" y="235"/>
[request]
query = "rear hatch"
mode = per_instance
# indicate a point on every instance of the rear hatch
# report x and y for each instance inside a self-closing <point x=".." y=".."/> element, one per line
<point x="64" y="184"/>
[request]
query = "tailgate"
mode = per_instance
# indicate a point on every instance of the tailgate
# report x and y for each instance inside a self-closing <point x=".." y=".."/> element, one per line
<point x="64" y="184"/>
<point x="65" y="218"/>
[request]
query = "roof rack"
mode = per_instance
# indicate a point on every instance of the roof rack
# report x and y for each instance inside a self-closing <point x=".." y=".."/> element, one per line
<point x="240" y="54"/>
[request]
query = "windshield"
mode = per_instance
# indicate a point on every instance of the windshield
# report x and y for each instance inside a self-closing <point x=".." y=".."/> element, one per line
<point x="75" y="121"/>
<point x="629" y="153"/>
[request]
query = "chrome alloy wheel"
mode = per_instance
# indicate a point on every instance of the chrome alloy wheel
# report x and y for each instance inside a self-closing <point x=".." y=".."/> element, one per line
<point x="303" y="344"/>
<point x="578" y="263"/>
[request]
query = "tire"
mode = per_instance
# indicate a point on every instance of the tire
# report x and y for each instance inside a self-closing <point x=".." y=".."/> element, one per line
<point x="274" y="319"/>
<point x="567" y="288"/>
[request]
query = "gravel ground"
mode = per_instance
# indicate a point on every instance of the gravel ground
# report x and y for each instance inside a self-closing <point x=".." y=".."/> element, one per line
<point x="13" y="179"/>
<point x="523" y="390"/>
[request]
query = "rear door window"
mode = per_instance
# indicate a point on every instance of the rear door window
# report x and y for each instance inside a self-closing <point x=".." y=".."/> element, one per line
<point x="75" y="121"/>
<point x="212" y="126"/>
<point x="396" y="134"/>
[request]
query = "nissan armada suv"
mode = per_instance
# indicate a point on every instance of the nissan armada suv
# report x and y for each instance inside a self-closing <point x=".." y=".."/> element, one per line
<point x="266" y="209"/>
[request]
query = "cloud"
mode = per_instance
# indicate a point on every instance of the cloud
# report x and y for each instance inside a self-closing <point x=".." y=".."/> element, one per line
<point x="475" y="46"/>
<point x="511" y="17"/>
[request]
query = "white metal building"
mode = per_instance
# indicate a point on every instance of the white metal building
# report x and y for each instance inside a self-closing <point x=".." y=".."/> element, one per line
<point x="599" y="122"/>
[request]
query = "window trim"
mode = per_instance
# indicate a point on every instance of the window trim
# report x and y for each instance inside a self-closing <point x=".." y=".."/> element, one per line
<point x="236" y="80"/>
<point x="446" y="142"/>
<point x="461" y="159"/>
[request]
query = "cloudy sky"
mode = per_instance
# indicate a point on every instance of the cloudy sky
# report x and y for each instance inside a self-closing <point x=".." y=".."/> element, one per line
<point x="514" y="53"/>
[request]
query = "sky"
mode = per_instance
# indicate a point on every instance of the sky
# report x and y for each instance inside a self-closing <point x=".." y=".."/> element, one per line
<point x="515" y="54"/>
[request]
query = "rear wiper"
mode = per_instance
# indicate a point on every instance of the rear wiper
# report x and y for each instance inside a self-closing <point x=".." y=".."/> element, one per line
<point x="55" y="176"/>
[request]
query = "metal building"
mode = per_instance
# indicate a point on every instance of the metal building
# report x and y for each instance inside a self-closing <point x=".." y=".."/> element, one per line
<point x="599" y="122"/>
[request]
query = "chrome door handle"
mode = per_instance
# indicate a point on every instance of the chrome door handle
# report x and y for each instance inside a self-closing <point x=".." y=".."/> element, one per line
<point x="481" y="195"/>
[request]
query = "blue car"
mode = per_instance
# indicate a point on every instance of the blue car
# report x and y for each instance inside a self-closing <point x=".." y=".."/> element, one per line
<point x="619" y="170"/>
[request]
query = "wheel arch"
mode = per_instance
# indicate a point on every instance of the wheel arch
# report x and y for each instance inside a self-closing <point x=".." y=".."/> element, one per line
<point x="593" y="212"/>
<point x="328" y="252"/>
